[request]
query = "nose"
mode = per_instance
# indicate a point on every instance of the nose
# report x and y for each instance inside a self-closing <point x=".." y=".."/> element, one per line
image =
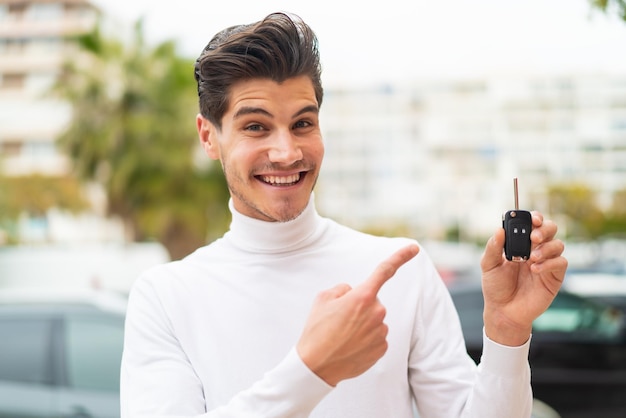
<point x="285" y="149"/>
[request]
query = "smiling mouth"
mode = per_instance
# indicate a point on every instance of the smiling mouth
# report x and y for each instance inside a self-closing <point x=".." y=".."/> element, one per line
<point x="282" y="181"/>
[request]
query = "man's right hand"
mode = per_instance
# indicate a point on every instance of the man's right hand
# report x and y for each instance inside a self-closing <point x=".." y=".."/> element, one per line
<point x="345" y="334"/>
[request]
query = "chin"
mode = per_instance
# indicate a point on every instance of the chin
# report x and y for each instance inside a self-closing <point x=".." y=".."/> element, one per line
<point x="288" y="215"/>
<point x="289" y="210"/>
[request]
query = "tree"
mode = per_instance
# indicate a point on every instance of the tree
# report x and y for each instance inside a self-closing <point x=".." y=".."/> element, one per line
<point x="577" y="202"/>
<point x="616" y="216"/>
<point x="34" y="195"/>
<point x="133" y="132"/>
<point x="613" y="6"/>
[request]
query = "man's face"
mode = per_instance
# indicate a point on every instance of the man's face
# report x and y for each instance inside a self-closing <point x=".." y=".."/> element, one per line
<point x="270" y="146"/>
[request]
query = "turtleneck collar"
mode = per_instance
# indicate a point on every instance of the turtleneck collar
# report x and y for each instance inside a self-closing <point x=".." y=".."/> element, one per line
<point x="258" y="236"/>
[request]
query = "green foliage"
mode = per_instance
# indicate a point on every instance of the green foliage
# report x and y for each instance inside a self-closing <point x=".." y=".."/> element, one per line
<point x="611" y="6"/>
<point x="133" y="131"/>
<point x="585" y="219"/>
<point x="34" y="195"/>
<point x="616" y="217"/>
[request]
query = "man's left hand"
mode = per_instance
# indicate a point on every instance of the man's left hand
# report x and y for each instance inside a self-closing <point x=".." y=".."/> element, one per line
<point x="516" y="293"/>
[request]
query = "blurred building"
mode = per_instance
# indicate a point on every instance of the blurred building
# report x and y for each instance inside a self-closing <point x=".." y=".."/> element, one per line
<point x="441" y="155"/>
<point x="434" y="156"/>
<point x="34" y="43"/>
<point x="33" y="46"/>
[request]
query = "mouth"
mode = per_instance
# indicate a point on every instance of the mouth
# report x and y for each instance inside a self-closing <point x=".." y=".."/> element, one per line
<point x="282" y="181"/>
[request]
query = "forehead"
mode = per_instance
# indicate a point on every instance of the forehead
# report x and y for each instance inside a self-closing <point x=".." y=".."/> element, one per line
<point x="267" y="93"/>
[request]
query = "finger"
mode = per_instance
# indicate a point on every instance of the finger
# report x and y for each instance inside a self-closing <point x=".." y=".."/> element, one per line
<point x="556" y="266"/>
<point x="334" y="292"/>
<point x="546" y="232"/>
<point x="386" y="270"/>
<point x="550" y="249"/>
<point x="492" y="257"/>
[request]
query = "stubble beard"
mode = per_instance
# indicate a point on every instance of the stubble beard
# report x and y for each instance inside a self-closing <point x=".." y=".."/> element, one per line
<point x="286" y="210"/>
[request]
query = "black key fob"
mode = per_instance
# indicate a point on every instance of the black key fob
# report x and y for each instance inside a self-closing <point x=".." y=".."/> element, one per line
<point x="517" y="225"/>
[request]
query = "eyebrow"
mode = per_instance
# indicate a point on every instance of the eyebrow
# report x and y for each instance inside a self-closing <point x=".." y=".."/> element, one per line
<point x="248" y="110"/>
<point x="307" y="109"/>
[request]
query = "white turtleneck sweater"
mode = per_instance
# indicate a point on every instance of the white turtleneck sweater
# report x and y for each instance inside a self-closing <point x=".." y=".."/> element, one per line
<point x="213" y="335"/>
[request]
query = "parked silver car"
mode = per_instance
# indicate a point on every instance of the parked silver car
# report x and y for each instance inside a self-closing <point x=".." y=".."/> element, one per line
<point x="60" y="354"/>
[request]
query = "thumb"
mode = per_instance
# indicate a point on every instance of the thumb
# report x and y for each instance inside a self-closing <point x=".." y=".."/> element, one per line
<point x="492" y="257"/>
<point x="386" y="269"/>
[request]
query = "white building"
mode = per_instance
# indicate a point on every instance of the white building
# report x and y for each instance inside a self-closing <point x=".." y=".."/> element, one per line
<point x="34" y="43"/>
<point x="439" y="154"/>
<point x="433" y="155"/>
<point x="33" y="46"/>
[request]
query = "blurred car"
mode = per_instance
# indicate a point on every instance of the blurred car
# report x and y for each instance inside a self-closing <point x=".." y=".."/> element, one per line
<point x="577" y="354"/>
<point x="60" y="354"/>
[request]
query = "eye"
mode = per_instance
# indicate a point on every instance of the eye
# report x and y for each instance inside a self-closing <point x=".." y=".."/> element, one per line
<point x="254" y="127"/>
<point x="302" y="124"/>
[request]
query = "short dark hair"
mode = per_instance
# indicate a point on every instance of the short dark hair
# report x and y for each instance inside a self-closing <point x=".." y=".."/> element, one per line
<point x="279" y="47"/>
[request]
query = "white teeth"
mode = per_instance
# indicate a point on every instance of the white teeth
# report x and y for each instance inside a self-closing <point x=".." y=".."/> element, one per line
<point x="281" y="180"/>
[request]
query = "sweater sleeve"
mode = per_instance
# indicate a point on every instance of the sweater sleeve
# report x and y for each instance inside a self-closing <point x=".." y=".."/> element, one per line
<point x="445" y="380"/>
<point x="158" y="381"/>
<point x="502" y="384"/>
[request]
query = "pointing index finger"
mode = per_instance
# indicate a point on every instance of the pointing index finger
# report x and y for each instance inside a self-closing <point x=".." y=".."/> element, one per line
<point x="387" y="268"/>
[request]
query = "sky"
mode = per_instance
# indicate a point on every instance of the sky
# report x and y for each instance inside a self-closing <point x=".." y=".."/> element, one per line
<point x="365" y="41"/>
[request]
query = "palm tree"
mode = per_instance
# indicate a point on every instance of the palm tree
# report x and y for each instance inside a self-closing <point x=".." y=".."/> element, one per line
<point x="133" y="132"/>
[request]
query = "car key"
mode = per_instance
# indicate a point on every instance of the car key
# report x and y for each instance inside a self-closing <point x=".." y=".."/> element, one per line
<point x="517" y="225"/>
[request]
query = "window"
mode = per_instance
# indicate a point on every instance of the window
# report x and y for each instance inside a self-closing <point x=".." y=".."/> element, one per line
<point x="25" y="351"/>
<point x="34" y="149"/>
<point x="12" y="81"/>
<point x="16" y="9"/>
<point x="570" y="313"/>
<point x="13" y="46"/>
<point x="94" y="352"/>
<point x="44" y="44"/>
<point x="45" y="11"/>
<point x="11" y="148"/>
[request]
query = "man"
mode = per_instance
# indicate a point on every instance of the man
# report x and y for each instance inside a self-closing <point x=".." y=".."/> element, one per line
<point x="293" y="315"/>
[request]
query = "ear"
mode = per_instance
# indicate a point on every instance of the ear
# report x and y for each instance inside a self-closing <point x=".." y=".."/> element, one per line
<point x="207" y="133"/>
